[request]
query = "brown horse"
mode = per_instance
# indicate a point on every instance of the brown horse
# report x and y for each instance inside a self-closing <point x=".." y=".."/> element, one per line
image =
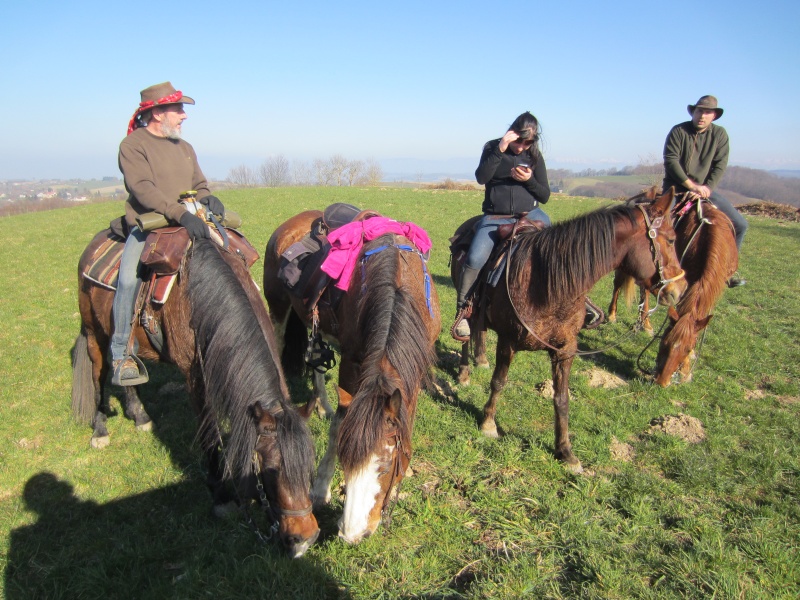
<point x="385" y="324"/>
<point x="217" y="331"/>
<point x="707" y="248"/>
<point x="539" y="305"/>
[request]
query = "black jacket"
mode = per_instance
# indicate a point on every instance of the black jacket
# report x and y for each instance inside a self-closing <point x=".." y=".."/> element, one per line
<point x="505" y="195"/>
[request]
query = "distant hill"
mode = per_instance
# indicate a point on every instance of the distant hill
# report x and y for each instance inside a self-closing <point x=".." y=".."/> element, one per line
<point x="786" y="173"/>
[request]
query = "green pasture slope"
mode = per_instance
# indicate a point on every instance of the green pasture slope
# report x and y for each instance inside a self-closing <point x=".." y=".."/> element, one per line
<point x="479" y="518"/>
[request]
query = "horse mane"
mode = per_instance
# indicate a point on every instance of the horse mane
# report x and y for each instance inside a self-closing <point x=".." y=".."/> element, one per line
<point x="391" y="321"/>
<point x="566" y="259"/>
<point x="711" y="257"/>
<point x="237" y="368"/>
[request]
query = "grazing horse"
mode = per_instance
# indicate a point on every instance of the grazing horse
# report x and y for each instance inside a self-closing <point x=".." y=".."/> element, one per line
<point x="706" y="245"/>
<point x="539" y="303"/>
<point x="217" y="331"/>
<point x="385" y="323"/>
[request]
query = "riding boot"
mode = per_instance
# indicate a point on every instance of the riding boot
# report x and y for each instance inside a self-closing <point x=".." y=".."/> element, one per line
<point x="461" y="330"/>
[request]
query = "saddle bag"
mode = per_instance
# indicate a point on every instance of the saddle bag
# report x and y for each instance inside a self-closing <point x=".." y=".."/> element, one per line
<point x="164" y="250"/>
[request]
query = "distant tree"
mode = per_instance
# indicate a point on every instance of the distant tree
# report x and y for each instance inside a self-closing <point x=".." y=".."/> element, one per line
<point x="322" y="171"/>
<point x="373" y="173"/>
<point x="302" y="173"/>
<point x="274" y="171"/>
<point x="242" y="176"/>
<point x="355" y="169"/>
<point x="337" y="167"/>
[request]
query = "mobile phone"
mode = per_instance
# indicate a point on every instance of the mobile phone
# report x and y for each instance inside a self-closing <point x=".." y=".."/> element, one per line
<point x="524" y="165"/>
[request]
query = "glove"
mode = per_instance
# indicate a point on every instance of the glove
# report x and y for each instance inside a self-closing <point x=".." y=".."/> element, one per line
<point x="214" y="205"/>
<point x="195" y="226"/>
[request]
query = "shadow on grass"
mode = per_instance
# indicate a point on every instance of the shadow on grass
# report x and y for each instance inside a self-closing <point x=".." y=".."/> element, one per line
<point x="159" y="544"/>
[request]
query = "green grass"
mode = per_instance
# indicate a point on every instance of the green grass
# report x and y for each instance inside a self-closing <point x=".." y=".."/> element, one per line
<point x="479" y="518"/>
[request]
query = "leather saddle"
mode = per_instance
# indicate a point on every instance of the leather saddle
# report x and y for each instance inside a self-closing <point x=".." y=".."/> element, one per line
<point x="300" y="264"/>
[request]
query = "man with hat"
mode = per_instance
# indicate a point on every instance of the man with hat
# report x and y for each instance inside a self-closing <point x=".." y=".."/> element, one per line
<point x="695" y="158"/>
<point x="157" y="166"/>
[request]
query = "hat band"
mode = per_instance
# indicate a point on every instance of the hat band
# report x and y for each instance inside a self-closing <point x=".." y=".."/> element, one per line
<point x="133" y="124"/>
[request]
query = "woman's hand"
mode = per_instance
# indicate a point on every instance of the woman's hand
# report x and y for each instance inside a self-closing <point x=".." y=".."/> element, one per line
<point x="521" y="173"/>
<point x="510" y="136"/>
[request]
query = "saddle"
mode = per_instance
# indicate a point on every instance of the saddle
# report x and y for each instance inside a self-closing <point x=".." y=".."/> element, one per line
<point x="492" y="271"/>
<point x="163" y="255"/>
<point x="300" y="264"/>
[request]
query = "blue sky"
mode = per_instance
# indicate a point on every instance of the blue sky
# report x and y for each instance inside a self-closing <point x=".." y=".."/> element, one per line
<point x="422" y="84"/>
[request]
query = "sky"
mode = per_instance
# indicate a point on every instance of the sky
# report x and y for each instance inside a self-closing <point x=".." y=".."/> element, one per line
<point x="418" y="86"/>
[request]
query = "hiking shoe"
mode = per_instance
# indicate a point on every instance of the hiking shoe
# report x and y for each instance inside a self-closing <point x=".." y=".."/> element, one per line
<point x="126" y="372"/>
<point x="462" y="329"/>
<point x="736" y="281"/>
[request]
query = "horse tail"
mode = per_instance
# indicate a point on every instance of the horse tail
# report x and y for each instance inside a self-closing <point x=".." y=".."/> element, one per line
<point x="83" y="393"/>
<point x="237" y="366"/>
<point x="294" y="338"/>
<point x="628" y="290"/>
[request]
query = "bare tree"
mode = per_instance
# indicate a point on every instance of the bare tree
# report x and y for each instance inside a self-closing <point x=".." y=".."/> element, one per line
<point x="322" y="172"/>
<point x="373" y="173"/>
<point x="302" y="173"/>
<point x="274" y="171"/>
<point x="242" y="176"/>
<point x="354" y="170"/>
<point x="337" y="165"/>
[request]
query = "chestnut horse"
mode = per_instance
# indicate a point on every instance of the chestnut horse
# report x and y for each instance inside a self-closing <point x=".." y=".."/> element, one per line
<point x="385" y="324"/>
<point x="706" y="245"/>
<point x="539" y="304"/>
<point x="217" y="331"/>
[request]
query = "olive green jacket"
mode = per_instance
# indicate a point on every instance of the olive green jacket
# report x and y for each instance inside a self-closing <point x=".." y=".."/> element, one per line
<point x="701" y="157"/>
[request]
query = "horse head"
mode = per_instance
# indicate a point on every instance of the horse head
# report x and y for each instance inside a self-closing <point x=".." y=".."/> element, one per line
<point x="676" y="352"/>
<point x="663" y="274"/>
<point x="371" y="480"/>
<point x="281" y="487"/>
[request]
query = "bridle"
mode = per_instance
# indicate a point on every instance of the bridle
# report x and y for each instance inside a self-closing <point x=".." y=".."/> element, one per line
<point x="395" y="468"/>
<point x="652" y="233"/>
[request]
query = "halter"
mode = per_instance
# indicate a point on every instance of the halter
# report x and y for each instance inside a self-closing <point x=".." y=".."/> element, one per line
<point x="396" y="467"/>
<point x="652" y="232"/>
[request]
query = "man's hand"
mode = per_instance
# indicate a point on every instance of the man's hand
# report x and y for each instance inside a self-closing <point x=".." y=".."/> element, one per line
<point x="195" y="226"/>
<point x="214" y="205"/>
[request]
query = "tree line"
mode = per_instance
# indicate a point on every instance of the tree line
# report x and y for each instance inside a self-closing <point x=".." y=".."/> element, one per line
<point x="278" y="171"/>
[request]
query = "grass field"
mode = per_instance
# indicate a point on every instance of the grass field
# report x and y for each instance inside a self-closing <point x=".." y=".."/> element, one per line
<point x="654" y="516"/>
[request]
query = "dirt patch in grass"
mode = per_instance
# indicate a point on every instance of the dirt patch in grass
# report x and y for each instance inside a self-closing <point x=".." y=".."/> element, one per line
<point x="604" y="379"/>
<point x="773" y="210"/>
<point x="682" y="426"/>
<point x="621" y="451"/>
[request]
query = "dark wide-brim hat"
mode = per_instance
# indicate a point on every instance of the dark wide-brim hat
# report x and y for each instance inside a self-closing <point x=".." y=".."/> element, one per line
<point x="708" y="103"/>
<point x="162" y="94"/>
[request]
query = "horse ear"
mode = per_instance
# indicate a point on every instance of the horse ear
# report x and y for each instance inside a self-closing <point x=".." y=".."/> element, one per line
<point x="307" y="410"/>
<point x="263" y="418"/>
<point x="664" y="204"/>
<point x="702" y="323"/>
<point x="673" y="314"/>
<point x="393" y="404"/>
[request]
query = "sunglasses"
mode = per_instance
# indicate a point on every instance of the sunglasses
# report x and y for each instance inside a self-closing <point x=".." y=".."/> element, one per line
<point x="525" y="143"/>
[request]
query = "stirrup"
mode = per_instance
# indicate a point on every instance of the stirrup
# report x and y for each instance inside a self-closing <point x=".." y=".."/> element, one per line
<point x="594" y="315"/>
<point x="465" y="312"/>
<point x="142" y="378"/>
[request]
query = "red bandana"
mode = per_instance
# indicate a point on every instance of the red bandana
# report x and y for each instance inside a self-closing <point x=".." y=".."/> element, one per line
<point x="143" y="106"/>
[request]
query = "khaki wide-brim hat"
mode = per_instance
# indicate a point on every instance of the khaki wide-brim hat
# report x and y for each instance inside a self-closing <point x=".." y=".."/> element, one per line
<point x="707" y="102"/>
<point x="163" y="94"/>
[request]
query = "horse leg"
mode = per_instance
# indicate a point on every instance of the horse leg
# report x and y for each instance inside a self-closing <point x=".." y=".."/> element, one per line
<point x="100" y="437"/>
<point x="563" y="448"/>
<point x="644" y="311"/>
<point x="505" y="354"/>
<point x="479" y="342"/>
<point x="321" y="400"/>
<point x="463" y="366"/>
<point x="619" y="279"/>
<point x="135" y="411"/>
<point x="321" y="488"/>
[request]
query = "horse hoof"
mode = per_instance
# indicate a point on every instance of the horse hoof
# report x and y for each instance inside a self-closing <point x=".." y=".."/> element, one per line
<point x="319" y="501"/>
<point x="482" y="364"/>
<point x="145" y="426"/>
<point x="490" y="431"/>
<point x="100" y="442"/>
<point x="575" y="468"/>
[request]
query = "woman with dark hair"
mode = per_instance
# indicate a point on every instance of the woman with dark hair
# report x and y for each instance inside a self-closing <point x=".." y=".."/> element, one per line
<point x="512" y="169"/>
